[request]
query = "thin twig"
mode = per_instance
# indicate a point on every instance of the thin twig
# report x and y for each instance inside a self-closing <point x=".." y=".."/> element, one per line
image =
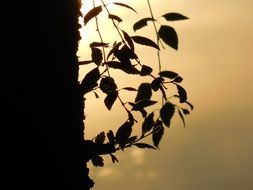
<point x="157" y="36"/>
<point x="101" y="39"/>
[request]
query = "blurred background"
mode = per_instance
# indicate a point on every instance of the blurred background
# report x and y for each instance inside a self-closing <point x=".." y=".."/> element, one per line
<point x="215" y="57"/>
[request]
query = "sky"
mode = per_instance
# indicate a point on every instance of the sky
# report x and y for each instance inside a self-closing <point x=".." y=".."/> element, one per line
<point x="215" y="57"/>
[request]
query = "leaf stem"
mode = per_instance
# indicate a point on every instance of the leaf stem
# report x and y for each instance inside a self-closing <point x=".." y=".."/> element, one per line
<point x="157" y="36"/>
<point x="101" y="38"/>
<point x="114" y="24"/>
<point x="157" y="39"/>
<point x="122" y="103"/>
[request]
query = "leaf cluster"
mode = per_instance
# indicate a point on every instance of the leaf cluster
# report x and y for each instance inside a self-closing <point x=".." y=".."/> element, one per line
<point x="121" y="55"/>
<point x="165" y="33"/>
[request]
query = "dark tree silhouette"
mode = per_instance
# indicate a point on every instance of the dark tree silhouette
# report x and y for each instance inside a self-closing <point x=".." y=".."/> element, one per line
<point x="41" y="107"/>
<point x="42" y="101"/>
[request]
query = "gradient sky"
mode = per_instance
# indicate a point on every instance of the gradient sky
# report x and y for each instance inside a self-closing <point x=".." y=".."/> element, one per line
<point x="215" y="58"/>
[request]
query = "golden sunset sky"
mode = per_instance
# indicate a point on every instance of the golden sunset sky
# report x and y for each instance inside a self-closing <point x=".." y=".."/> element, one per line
<point x="215" y="57"/>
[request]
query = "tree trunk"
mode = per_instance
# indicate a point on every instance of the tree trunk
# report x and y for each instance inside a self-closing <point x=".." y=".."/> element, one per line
<point x="41" y="107"/>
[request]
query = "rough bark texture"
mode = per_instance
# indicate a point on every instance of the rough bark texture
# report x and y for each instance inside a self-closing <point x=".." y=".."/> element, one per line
<point x="41" y="107"/>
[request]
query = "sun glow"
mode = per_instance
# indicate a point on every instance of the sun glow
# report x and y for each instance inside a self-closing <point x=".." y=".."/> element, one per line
<point x="109" y="34"/>
<point x="89" y="4"/>
<point x="89" y="31"/>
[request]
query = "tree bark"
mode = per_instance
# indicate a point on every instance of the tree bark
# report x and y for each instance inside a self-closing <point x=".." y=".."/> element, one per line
<point x="41" y="105"/>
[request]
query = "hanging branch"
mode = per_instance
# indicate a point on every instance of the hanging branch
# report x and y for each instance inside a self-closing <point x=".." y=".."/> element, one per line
<point x="120" y="56"/>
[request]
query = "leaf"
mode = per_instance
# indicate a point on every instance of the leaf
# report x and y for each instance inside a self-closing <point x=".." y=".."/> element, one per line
<point x="100" y="138"/>
<point x="144" y="145"/>
<point x="158" y="134"/>
<point x="182" y="94"/>
<point x="124" y="55"/>
<point x="97" y="161"/>
<point x="141" y="23"/>
<point x="115" y="17"/>
<point x="129" y="40"/>
<point x="163" y="92"/>
<point x="144" y="92"/>
<point x="125" y="66"/>
<point x="84" y="62"/>
<point x="189" y="104"/>
<point x="169" y="36"/>
<point x="130" y="89"/>
<point x="96" y="55"/>
<point x="114" y="158"/>
<point x="144" y="113"/>
<point x="114" y="64"/>
<point x="123" y="133"/>
<point x="107" y="85"/>
<point x="111" y="137"/>
<point x="168" y="74"/>
<point x="130" y="140"/>
<point x="186" y="111"/>
<point x="178" y="79"/>
<point x="156" y="83"/>
<point x="115" y="47"/>
<point x="91" y="14"/>
<point x="127" y="53"/>
<point x="145" y="70"/>
<point x="148" y="123"/>
<point x="181" y="116"/>
<point x="90" y="80"/>
<point x="124" y="5"/>
<point x="98" y="44"/>
<point x="142" y="104"/>
<point x="110" y="99"/>
<point x="131" y="117"/>
<point x="145" y="41"/>
<point x="166" y="113"/>
<point x="174" y="16"/>
<point x="96" y="95"/>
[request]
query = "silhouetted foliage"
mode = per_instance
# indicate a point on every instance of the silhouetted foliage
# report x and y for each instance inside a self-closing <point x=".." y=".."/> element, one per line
<point x="122" y="56"/>
<point x="42" y="101"/>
